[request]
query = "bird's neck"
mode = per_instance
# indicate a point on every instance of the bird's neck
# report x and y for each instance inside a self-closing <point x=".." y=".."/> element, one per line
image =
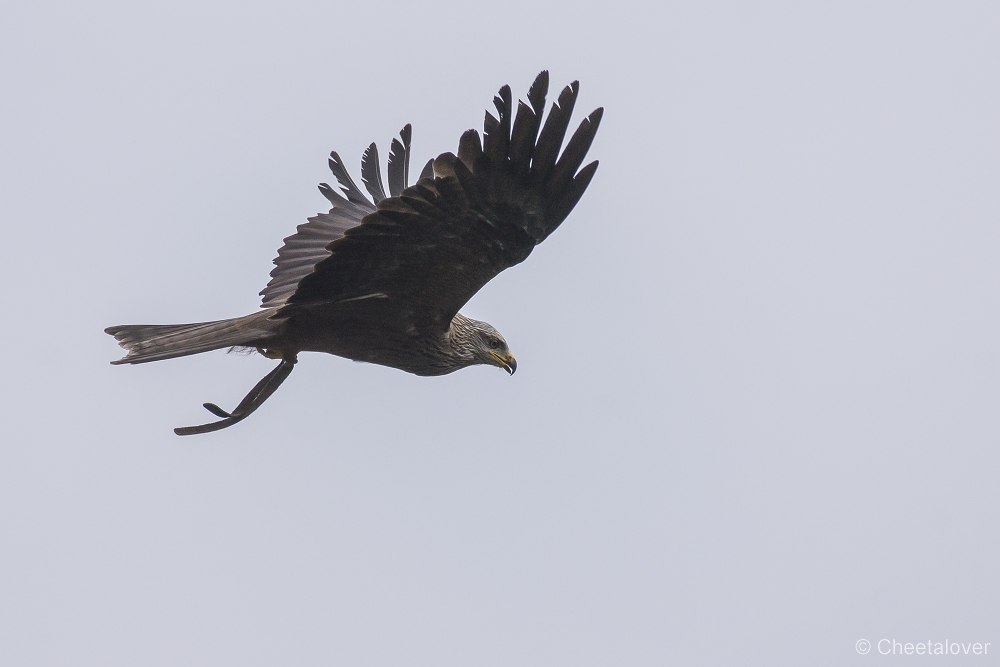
<point x="458" y="342"/>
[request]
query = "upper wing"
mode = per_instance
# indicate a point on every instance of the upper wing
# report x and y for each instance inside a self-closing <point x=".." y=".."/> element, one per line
<point x="308" y="245"/>
<point x="432" y="247"/>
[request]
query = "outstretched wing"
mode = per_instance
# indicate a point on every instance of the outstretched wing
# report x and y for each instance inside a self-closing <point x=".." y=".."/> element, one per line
<point x="430" y="248"/>
<point x="309" y="244"/>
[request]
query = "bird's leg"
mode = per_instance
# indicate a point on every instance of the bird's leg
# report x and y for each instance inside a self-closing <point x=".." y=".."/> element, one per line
<point x="253" y="400"/>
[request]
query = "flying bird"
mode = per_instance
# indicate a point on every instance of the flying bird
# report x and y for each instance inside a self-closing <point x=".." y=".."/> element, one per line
<point x="381" y="280"/>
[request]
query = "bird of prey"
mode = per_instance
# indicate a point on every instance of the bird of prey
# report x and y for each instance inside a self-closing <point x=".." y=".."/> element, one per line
<point x="381" y="280"/>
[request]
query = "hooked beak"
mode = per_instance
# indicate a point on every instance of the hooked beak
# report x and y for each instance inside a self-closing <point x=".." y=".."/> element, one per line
<point x="508" y="363"/>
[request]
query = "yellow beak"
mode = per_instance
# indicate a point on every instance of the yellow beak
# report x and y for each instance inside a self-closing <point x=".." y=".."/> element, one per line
<point x="508" y="363"/>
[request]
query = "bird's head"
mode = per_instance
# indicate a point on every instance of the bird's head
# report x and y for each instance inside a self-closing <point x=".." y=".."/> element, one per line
<point x="489" y="347"/>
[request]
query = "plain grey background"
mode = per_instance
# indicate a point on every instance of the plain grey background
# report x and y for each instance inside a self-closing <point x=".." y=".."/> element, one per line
<point x="755" y="417"/>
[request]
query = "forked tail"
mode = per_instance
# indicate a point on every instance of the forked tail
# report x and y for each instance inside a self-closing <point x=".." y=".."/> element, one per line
<point x="152" y="342"/>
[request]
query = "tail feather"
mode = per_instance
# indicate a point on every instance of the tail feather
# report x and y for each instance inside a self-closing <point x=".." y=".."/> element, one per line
<point x="153" y="342"/>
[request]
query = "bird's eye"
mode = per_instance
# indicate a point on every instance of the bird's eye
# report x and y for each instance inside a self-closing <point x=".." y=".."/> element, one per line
<point x="494" y="343"/>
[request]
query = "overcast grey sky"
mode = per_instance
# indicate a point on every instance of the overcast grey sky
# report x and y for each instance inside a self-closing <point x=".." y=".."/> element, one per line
<point x="756" y="412"/>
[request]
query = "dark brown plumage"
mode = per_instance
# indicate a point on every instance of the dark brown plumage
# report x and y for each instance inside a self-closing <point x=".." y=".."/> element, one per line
<point x="383" y="282"/>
